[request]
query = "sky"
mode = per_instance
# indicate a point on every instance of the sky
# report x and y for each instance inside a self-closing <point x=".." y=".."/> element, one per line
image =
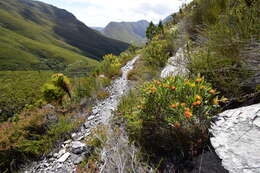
<point x="99" y="13"/>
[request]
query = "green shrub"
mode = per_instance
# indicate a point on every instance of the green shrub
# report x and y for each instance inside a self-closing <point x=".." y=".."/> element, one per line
<point x="172" y="115"/>
<point x="52" y="93"/>
<point x="156" y="53"/>
<point x="56" y="89"/>
<point x="226" y="30"/>
<point x="110" y="66"/>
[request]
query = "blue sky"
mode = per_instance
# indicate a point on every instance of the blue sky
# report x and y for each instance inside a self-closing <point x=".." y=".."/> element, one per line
<point x="101" y="12"/>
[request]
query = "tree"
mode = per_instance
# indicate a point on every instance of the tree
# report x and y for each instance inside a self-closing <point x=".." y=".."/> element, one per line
<point x="160" y="28"/>
<point x="151" y="31"/>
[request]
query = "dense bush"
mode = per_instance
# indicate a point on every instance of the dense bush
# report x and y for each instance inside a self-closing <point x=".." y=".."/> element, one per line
<point x="156" y="53"/>
<point x="171" y="115"/>
<point x="57" y="88"/>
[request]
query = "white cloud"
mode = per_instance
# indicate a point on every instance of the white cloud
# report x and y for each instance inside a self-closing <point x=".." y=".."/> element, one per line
<point x="101" y="12"/>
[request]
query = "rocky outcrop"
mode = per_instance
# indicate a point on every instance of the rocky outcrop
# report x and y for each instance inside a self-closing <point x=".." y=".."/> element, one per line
<point x="176" y="65"/>
<point x="236" y="139"/>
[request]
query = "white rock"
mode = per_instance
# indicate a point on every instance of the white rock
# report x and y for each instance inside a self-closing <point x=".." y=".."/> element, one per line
<point x="176" y="65"/>
<point x="61" y="152"/>
<point x="74" y="136"/>
<point x="78" y="147"/>
<point x="237" y="139"/>
<point x="91" y="117"/>
<point x="64" y="157"/>
<point x="95" y="111"/>
<point x="68" y="141"/>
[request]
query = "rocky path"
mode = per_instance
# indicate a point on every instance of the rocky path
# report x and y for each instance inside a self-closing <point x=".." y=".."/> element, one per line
<point x="74" y="150"/>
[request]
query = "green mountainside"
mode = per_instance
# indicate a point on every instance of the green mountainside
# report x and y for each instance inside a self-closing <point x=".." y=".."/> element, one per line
<point x="38" y="36"/>
<point x="130" y="32"/>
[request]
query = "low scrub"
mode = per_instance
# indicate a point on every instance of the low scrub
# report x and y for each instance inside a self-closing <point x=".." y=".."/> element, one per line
<point x="30" y="135"/>
<point x="20" y="88"/>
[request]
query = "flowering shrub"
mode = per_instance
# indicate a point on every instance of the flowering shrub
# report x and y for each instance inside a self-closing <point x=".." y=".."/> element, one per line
<point x="173" y="115"/>
<point x="156" y="53"/>
<point x="111" y="65"/>
<point x="57" y="88"/>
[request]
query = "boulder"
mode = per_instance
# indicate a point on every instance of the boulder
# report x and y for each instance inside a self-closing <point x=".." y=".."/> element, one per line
<point x="78" y="147"/>
<point x="64" y="157"/>
<point x="236" y="139"/>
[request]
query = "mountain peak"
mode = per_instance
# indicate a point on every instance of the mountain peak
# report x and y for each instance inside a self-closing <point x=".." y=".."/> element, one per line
<point x="130" y="32"/>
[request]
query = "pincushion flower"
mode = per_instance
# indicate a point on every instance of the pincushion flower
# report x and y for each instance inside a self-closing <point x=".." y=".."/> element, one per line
<point x="188" y="114"/>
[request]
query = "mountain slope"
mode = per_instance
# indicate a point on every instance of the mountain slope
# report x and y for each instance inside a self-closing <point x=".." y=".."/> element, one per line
<point x="130" y="32"/>
<point x="38" y="36"/>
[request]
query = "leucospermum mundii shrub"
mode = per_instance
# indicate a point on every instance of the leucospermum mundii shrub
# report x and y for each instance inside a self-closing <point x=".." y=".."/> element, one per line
<point x="173" y="115"/>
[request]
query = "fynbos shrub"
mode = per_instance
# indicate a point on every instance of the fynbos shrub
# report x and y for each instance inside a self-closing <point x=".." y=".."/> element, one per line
<point x="56" y="89"/>
<point x="173" y="115"/>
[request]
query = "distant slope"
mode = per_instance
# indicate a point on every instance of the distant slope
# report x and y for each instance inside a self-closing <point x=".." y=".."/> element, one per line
<point x="100" y="29"/>
<point x="167" y="19"/>
<point x="130" y="32"/>
<point x="38" y="36"/>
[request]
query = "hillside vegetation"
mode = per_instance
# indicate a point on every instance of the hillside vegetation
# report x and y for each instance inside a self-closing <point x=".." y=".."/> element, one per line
<point x="36" y="36"/>
<point x="129" y="32"/>
<point x="169" y="118"/>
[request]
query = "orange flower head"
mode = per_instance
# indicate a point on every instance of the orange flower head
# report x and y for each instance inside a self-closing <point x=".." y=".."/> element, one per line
<point x="196" y="103"/>
<point x="173" y="88"/>
<point x="198" y="80"/>
<point x="188" y="114"/>
<point x="187" y="109"/>
<point x="183" y="104"/>
<point x="202" y="87"/>
<point x="174" y="106"/>
<point x="212" y="91"/>
<point x="197" y="97"/>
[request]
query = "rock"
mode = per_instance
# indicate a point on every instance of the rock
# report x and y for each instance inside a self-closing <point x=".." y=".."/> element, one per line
<point x="176" y="65"/>
<point x="49" y="106"/>
<point x="78" y="147"/>
<point x="87" y="124"/>
<point x="236" y="139"/>
<point x="80" y="138"/>
<point x="74" y="136"/>
<point x="64" y="157"/>
<point x="95" y="111"/>
<point x="91" y="117"/>
<point x="78" y="160"/>
<point x="61" y="152"/>
<point x="68" y="141"/>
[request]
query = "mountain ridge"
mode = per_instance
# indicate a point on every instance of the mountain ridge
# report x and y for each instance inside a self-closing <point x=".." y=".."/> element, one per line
<point x="39" y="36"/>
<point x="129" y="32"/>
